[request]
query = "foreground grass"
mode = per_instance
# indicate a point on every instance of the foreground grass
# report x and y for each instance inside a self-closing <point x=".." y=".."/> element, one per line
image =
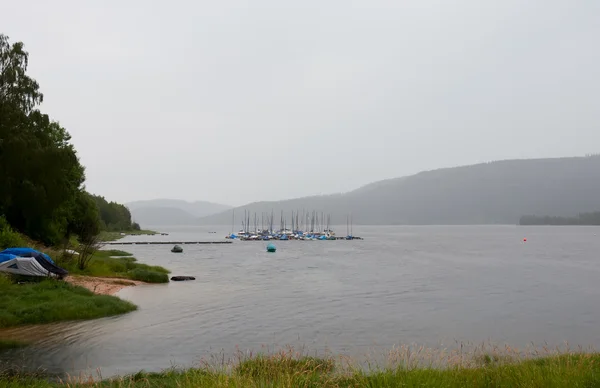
<point x="567" y="370"/>
<point x="51" y="300"/>
<point x="105" y="264"/>
<point x="113" y="236"/>
<point x="11" y="344"/>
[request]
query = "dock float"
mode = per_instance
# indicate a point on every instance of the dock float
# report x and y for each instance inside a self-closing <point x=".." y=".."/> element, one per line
<point x="165" y="242"/>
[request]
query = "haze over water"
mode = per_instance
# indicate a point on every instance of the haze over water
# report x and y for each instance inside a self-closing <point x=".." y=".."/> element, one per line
<point x="401" y="285"/>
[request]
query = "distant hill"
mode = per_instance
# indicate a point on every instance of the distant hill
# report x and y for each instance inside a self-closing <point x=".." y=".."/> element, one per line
<point x="487" y="193"/>
<point x="159" y="212"/>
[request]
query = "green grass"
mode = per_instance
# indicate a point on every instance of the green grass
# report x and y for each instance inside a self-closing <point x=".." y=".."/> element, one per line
<point x="103" y="264"/>
<point x="566" y="370"/>
<point x="52" y="300"/>
<point x="113" y="236"/>
<point x="8" y="237"/>
<point x="112" y="252"/>
<point x="6" y="344"/>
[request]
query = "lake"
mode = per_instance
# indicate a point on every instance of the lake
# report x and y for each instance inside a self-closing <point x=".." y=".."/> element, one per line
<point x="429" y="285"/>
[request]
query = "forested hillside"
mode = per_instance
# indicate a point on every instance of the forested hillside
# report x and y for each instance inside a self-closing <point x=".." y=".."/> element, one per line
<point x="42" y="193"/>
<point x="158" y="212"/>
<point x="487" y="193"/>
<point x="587" y="219"/>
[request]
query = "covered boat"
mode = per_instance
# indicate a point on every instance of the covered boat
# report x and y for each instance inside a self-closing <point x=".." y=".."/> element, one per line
<point x="29" y="262"/>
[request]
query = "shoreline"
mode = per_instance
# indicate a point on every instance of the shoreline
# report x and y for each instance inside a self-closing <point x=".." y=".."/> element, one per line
<point x="102" y="285"/>
<point x="106" y="236"/>
<point x="286" y="369"/>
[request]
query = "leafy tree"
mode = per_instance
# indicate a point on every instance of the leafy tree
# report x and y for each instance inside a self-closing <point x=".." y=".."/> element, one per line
<point x="84" y="218"/>
<point x="42" y="175"/>
<point x="114" y="216"/>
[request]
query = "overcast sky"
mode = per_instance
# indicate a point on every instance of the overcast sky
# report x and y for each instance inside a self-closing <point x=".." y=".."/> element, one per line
<point x="238" y="101"/>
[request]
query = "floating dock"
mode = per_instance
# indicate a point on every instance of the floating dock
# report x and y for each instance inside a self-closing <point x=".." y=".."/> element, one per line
<point x="165" y="242"/>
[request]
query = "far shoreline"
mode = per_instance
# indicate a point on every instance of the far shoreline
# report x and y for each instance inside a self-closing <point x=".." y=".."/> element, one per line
<point x="117" y="235"/>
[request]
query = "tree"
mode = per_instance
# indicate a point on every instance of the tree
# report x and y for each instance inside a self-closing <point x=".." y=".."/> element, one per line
<point x="16" y="88"/>
<point x="114" y="216"/>
<point x="41" y="173"/>
<point x="83" y="218"/>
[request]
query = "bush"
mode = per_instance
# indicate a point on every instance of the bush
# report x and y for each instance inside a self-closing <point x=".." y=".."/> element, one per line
<point x="8" y="237"/>
<point x="148" y="276"/>
<point x="6" y="344"/>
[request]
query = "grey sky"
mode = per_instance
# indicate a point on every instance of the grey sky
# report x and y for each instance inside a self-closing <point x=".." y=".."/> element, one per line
<point x="237" y="101"/>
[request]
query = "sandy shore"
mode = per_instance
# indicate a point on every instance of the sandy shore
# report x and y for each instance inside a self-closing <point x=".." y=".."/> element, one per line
<point x="104" y="286"/>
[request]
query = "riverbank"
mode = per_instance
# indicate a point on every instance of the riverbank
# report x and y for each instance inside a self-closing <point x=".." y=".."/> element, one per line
<point x="115" y="264"/>
<point x="114" y="236"/>
<point x="50" y="300"/>
<point x="102" y="286"/>
<point x="84" y="294"/>
<point x="565" y="370"/>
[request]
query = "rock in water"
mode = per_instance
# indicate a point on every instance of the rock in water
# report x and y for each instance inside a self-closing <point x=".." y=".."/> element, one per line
<point x="182" y="278"/>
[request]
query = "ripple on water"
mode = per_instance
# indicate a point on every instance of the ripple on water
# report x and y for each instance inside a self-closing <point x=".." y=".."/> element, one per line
<point x="400" y="285"/>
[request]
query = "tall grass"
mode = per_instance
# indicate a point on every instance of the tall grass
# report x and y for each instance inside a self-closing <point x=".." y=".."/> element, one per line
<point x="287" y="370"/>
<point x="103" y="264"/>
<point x="11" y="344"/>
<point x="8" y="237"/>
<point x="52" y="300"/>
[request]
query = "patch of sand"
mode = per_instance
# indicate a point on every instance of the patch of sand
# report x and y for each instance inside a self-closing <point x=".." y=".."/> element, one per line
<point x="104" y="286"/>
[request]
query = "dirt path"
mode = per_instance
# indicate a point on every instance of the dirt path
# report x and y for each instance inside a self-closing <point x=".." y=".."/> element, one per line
<point x="104" y="286"/>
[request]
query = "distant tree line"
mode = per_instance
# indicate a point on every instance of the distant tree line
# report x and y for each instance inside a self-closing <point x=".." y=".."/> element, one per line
<point x="581" y="219"/>
<point x="41" y="192"/>
<point x="114" y="216"/>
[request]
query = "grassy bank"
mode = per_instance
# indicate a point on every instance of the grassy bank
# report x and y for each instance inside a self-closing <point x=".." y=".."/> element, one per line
<point x="102" y="264"/>
<point x="113" y="236"/>
<point x="51" y="300"/>
<point x="116" y="264"/>
<point x="11" y="344"/>
<point x="567" y="370"/>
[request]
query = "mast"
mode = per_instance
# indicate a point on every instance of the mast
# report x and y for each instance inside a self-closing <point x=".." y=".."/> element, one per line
<point x="347" y="226"/>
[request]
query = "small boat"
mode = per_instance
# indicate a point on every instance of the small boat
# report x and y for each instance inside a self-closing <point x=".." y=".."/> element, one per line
<point x="271" y="248"/>
<point x="177" y="249"/>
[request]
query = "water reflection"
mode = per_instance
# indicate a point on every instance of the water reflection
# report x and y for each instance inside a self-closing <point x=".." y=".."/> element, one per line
<point x="425" y="285"/>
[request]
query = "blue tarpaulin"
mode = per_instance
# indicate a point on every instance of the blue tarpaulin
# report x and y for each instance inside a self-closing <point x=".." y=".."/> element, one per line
<point x="24" y="252"/>
<point x="6" y="257"/>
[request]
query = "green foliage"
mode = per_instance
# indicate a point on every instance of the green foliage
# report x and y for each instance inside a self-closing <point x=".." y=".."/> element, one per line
<point x="52" y="301"/>
<point x="41" y="173"/>
<point x="8" y="237"/>
<point x="113" y="252"/>
<point x="11" y="344"/>
<point x="103" y="265"/>
<point x="148" y="276"/>
<point x="84" y="218"/>
<point x="569" y="370"/>
<point x="114" y="216"/>
<point x="261" y="367"/>
<point x="42" y="193"/>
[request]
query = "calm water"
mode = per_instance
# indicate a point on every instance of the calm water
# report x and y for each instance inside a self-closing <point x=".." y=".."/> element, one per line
<point x="426" y="285"/>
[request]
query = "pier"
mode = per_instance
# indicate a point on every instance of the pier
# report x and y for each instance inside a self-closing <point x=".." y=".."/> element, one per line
<point x="165" y="242"/>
